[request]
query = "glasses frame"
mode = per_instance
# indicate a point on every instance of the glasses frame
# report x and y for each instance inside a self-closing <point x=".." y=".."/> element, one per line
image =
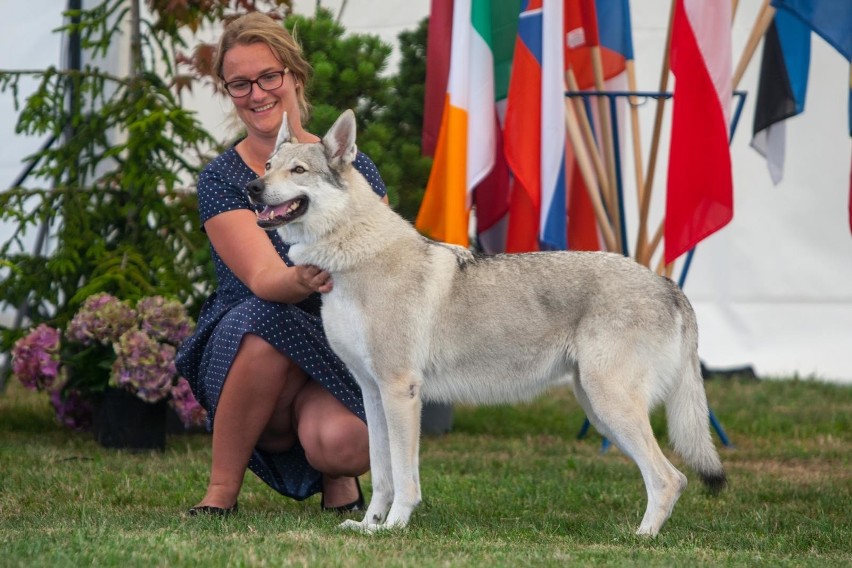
<point x="253" y="82"/>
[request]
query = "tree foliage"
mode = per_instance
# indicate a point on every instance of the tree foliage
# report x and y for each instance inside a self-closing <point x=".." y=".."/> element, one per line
<point x="349" y="72"/>
<point x="116" y="193"/>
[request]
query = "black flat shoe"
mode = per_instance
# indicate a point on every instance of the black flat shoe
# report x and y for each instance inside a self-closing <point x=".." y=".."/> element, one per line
<point x="200" y="510"/>
<point x="356" y="505"/>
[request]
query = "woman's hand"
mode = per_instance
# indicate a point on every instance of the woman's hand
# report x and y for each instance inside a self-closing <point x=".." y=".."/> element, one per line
<point x="313" y="278"/>
<point x="249" y="253"/>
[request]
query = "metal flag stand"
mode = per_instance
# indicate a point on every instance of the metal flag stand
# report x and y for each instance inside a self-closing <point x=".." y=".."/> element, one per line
<point x="612" y="97"/>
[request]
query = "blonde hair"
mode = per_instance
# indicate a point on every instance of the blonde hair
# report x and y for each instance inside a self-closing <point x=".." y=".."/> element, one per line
<point x="256" y="27"/>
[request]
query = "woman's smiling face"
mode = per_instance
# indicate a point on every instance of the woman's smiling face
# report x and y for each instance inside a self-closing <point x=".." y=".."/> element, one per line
<point x="261" y="111"/>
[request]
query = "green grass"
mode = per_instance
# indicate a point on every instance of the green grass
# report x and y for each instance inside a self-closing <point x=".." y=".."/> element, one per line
<point x="509" y="486"/>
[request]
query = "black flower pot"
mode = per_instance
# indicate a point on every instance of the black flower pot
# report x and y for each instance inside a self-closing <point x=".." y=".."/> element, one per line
<point x="125" y="421"/>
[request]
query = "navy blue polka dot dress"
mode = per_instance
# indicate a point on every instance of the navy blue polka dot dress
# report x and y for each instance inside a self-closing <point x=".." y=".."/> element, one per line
<point x="294" y="329"/>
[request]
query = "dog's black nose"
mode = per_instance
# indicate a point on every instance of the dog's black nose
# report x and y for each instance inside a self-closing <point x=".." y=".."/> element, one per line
<point x="255" y="188"/>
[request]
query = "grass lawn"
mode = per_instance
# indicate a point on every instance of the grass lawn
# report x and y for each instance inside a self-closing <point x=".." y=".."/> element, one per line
<point x="509" y="486"/>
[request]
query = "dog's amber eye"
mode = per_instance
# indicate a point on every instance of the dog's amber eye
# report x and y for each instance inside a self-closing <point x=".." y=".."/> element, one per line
<point x="267" y="165"/>
<point x="299" y="170"/>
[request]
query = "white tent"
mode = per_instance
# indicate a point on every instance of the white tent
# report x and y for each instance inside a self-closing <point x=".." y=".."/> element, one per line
<point x="772" y="290"/>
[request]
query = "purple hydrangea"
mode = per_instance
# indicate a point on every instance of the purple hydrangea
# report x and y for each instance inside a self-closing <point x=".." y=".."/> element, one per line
<point x="164" y="320"/>
<point x="137" y="346"/>
<point x="35" y="358"/>
<point x="187" y="408"/>
<point x="73" y="410"/>
<point x="102" y="318"/>
<point x="143" y="365"/>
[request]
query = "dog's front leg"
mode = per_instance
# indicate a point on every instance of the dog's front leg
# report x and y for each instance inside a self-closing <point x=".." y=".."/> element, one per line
<point x="402" y="405"/>
<point x="380" y="461"/>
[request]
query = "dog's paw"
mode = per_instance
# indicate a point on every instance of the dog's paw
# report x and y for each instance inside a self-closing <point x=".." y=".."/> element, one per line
<point x="352" y="525"/>
<point x="361" y="526"/>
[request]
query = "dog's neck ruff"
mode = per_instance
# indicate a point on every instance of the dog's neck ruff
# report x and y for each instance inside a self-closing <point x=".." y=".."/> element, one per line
<point x="346" y="244"/>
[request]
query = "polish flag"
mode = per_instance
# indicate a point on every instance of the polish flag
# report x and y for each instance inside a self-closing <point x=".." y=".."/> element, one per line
<point x="699" y="197"/>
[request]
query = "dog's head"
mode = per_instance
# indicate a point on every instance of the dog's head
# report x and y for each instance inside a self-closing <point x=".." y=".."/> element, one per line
<point x="302" y="192"/>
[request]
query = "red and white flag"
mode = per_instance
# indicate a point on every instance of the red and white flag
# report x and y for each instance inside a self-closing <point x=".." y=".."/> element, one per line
<point x="699" y="197"/>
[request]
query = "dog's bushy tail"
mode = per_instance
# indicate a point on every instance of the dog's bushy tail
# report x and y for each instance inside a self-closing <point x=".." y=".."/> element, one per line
<point x="689" y="417"/>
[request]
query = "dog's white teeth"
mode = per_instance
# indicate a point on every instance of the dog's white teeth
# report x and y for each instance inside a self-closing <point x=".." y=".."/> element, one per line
<point x="293" y="207"/>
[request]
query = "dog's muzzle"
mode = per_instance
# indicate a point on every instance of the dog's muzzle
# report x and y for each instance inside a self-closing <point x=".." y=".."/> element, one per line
<point x="273" y="216"/>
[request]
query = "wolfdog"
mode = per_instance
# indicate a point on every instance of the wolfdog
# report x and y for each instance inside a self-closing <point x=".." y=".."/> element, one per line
<point x="420" y="320"/>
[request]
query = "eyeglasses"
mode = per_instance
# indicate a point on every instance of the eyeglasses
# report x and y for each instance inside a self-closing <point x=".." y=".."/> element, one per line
<point x="267" y="82"/>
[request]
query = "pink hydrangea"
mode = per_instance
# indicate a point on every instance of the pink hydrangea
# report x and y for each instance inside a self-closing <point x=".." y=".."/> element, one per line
<point x="164" y="320"/>
<point x="35" y="358"/>
<point x="73" y="410"/>
<point x="144" y="366"/>
<point x="102" y="318"/>
<point x="191" y="413"/>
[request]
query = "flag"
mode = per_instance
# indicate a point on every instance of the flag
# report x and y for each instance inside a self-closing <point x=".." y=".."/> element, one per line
<point x="584" y="30"/>
<point x="612" y="32"/>
<point x="491" y="195"/>
<point x="437" y="71"/>
<point x="781" y="87"/>
<point x="831" y="20"/>
<point x="614" y="29"/>
<point x="534" y="135"/>
<point x="465" y="153"/>
<point x="699" y="196"/>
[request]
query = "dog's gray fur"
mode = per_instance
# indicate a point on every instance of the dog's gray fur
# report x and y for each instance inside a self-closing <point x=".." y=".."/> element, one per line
<point x="414" y="319"/>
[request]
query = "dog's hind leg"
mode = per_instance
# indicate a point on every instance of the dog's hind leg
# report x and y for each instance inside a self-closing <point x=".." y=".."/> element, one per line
<point x="620" y="413"/>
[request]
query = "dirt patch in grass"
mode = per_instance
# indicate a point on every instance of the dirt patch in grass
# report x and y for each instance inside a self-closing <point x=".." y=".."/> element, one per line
<point x="812" y="472"/>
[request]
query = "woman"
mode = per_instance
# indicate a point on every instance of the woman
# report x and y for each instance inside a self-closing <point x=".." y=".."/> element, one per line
<point x="279" y="401"/>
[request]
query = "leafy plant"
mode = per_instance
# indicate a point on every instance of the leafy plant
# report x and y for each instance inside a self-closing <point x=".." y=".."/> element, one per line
<point x="117" y="208"/>
<point x="349" y="73"/>
<point x="402" y="163"/>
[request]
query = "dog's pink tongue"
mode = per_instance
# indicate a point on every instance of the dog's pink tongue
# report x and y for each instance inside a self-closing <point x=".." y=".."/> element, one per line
<point x="268" y="213"/>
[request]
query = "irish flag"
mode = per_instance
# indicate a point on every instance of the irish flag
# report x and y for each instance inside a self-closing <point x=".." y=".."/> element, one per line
<point x="464" y="154"/>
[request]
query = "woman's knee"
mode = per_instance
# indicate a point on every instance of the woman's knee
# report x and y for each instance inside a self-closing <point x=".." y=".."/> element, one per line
<point x="337" y="447"/>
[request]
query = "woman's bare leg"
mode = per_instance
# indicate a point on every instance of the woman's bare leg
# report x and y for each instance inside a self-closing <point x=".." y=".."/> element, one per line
<point x="258" y="394"/>
<point x="335" y="442"/>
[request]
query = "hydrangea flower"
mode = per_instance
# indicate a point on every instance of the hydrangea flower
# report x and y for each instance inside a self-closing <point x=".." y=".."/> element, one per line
<point x="73" y="410"/>
<point x="35" y="358"/>
<point x="102" y="318"/>
<point x="187" y="408"/>
<point x="109" y="344"/>
<point x="164" y="320"/>
<point x="143" y="365"/>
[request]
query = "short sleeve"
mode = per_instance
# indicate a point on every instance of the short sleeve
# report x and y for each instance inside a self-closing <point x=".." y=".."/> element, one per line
<point x="221" y="186"/>
<point x="369" y="170"/>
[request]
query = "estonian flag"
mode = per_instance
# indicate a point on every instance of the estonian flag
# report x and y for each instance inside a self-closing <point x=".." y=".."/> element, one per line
<point x="781" y="88"/>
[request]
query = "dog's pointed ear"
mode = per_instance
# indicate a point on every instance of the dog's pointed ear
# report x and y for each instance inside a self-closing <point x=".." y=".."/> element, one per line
<point x="339" y="141"/>
<point x="283" y="133"/>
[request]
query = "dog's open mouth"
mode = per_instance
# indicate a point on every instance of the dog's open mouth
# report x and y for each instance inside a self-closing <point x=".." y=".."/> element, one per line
<point x="273" y="217"/>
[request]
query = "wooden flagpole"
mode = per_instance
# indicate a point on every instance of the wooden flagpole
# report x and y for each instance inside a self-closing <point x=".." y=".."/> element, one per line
<point x="758" y="30"/>
<point x="643" y="255"/>
<point x="761" y="24"/>
<point x="635" y="131"/>
<point x="606" y="139"/>
<point x="589" y="138"/>
<point x="586" y="170"/>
